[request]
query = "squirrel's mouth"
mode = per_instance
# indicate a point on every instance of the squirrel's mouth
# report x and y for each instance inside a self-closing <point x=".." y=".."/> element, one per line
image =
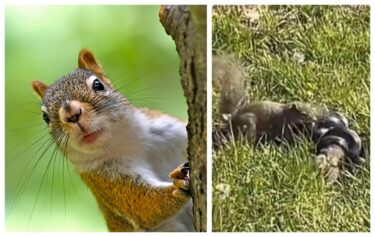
<point x="89" y="138"/>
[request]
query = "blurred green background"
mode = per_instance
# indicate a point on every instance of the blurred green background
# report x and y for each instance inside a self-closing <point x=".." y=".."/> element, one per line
<point x="43" y="43"/>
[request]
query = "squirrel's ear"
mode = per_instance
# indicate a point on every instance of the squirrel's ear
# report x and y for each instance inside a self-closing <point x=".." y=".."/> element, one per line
<point x="293" y="106"/>
<point x="86" y="60"/>
<point x="39" y="87"/>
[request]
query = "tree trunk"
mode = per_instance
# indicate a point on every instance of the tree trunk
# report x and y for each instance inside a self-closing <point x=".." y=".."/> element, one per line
<point x="187" y="26"/>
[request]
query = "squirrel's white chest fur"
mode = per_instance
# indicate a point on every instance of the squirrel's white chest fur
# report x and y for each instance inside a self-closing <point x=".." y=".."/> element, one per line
<point x="135" y="143"/>
<point x="146" y="147"/>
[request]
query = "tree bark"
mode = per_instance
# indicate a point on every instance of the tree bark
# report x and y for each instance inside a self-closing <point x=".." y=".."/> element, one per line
<point x="187" y="26"/>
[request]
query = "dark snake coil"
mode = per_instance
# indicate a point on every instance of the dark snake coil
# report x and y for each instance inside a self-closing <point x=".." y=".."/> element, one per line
<point x="333" y="129"/>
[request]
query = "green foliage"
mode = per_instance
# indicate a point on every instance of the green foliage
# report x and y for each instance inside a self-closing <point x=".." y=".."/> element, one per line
<point x="43" y="193"/>
<point x="317" y="54"/>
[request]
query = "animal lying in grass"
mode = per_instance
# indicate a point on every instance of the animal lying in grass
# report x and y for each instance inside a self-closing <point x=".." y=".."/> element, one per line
<point x="267" y="121"/>
<point x="257" y="121"/>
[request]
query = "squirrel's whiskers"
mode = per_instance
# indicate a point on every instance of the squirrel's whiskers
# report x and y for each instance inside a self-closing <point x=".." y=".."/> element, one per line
<point x="122" y="153"/>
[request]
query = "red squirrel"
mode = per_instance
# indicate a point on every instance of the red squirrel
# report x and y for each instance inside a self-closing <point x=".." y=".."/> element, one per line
<point x="124" y="154"/>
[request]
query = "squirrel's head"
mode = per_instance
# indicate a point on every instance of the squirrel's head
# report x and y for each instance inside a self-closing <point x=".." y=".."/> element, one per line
<point x="80" y="107"/>
<point x="303" y="112"/>
<point x="302" y="116"/>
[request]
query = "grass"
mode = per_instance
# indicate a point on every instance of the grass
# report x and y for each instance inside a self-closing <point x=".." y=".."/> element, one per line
<point x="317" y="54"/>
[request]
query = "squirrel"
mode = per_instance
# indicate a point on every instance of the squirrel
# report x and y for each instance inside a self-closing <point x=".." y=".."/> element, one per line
<point x="337" y="146"/>
<point x="122" y="153"/>
<point x="257" y="121"/>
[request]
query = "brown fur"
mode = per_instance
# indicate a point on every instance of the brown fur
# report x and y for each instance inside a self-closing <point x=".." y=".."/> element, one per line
<point x="84" y="118"/>
<point x="252" y="121"/>
<point x="39" y="87"/>
<point x="228" y="80"/>
<point x="127" y="202"/>
<point x="86" y="60"/>
<point x="124" y="198"/>
<point x="157" y="114"/>
<point x="271" y="120"/>
<point x="152" y="113"/>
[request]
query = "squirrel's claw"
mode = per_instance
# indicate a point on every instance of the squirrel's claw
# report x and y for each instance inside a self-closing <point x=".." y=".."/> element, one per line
<point x="181" y="172"/>
<point x="181" y="179"/>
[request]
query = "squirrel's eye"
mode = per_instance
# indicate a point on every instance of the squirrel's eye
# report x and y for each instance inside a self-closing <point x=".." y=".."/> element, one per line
<point x="45" y="117"/>
<point x="97" y="85"/>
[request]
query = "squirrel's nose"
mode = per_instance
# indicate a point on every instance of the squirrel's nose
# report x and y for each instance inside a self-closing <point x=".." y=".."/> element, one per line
<point x="74" y="118"/>
<point x="71" y="111"/>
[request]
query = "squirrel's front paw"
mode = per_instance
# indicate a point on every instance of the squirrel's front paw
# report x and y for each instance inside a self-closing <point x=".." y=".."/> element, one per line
<point x="181" y="179"/>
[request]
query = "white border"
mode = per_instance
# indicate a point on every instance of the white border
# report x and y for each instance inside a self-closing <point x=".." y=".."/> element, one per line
<point x="209" y="119"/>
<point x="209" y="4"/>
<point x="372" y="118"/>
